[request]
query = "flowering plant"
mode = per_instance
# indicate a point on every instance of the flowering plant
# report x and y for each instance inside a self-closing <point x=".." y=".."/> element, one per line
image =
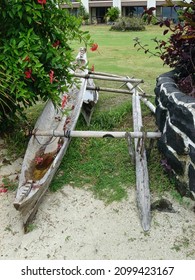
<point x="35" y="53"/>
<point x="178" y="51"/>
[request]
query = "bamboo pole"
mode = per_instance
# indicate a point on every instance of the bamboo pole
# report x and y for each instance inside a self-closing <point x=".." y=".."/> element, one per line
<point x="95" y="134"/>
<point x="114" y="90"/>
<point x="117" y="79"/>
<point x="142" y="180"/>
<point x="105" y="74"/>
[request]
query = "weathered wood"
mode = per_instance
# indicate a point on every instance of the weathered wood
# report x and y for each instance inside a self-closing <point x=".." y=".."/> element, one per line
<point x="104" y="74"/>
<point x="142" y="95"/>
<point x="89" y="100"/>
<point x="148" y="104"/>
<point x="142" y="180"/>
<point x="108" y="78"/>
<point x="115" y="90"/>
<point x="96" y="134"/>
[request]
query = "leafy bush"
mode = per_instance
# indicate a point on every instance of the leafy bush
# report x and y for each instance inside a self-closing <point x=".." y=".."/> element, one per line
<point x="129" y="24"/>
<point x="113" y="14"/>
<point x="35" y="54"/>
<point x="178" y="50"/>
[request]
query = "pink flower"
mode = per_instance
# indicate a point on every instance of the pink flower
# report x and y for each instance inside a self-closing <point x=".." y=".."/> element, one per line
<point x="51" y="76"/>
<point x="3" y="190"/>
<point x="42" y="2"/>
<point x="94" y="47"/>
<point x="38" y="160"/>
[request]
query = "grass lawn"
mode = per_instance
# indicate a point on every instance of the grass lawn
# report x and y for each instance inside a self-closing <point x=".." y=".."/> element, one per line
<point x="118" y="55"/>
<point x="104" y="165"/>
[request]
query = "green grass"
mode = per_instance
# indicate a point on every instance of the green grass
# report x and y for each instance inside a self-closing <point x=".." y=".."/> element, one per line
<point x="104" y="166"/>
<point x="117" y="54"/>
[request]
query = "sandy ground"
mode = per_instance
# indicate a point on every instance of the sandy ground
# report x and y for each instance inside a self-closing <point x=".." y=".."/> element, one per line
<point x="71" y="224"/>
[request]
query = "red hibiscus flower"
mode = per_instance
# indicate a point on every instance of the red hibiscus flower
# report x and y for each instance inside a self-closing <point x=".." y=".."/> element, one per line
<point x="28" y="74"/>
<point x="42" y="2"/>
<point x="27" y="58"/>
<point x="94" y="47"/>
<point x="56" y="43"/>
<point x="51" y="76"/>
<point x="64" y="101"/>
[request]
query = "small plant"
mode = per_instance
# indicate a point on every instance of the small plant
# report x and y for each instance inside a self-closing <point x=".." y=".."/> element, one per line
<point x="30" y="228"/>
<point x="7" y="184"/>
<point x="178" y="49"/>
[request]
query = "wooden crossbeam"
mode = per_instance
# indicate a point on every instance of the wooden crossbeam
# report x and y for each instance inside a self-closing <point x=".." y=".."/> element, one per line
<point x="104" y="74"/>
<point x="116" y="90"/>
<point x="108" y="78"/>
<point x="96" y="134"/>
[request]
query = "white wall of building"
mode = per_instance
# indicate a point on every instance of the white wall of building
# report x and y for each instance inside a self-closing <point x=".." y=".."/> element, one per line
<point x="151" y="3"/>
<point x="86" y="5"/>
<point x="117" y="3"/>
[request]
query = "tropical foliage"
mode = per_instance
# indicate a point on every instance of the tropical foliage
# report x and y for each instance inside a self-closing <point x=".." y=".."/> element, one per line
<point x="35" y="53"/>
<point x="113" y="14"/>
<point x="178" y="49"/>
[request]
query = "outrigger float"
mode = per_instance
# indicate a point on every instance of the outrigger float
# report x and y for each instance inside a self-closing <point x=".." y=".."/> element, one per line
<point x="54" y="129"/>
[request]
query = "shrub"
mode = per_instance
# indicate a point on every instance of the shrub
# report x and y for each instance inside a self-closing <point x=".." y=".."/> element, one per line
<point x="129" y="24"/>
<point x="178" y="50"/>
<point x="35" y="53"/>
<point x="113" y="14"/>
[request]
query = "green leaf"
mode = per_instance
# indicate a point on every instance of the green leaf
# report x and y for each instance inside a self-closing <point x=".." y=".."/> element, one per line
<point x="21" y="44"/>
<point x="29" y="19"/>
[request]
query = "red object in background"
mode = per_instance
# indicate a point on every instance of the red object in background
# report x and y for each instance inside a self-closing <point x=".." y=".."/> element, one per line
<point x="94" y="47"/>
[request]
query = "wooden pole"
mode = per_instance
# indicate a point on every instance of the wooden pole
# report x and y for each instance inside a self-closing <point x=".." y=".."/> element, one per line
<point x="114" y="90"/>
<point x="142" y="180"/>
<point x="117" y="79"/>
<point x="142" y="96"/>
<point x="95" y="134"/>
<point x="105" y="74"/>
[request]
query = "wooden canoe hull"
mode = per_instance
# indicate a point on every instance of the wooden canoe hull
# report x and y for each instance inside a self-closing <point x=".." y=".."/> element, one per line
<point x="44" y="153"/>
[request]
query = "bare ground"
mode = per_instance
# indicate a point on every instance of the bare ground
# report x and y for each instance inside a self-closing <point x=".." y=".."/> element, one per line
<point x="72" y="224"/>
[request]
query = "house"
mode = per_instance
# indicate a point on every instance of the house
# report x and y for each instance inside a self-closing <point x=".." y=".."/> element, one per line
<point x="97" y="8"/>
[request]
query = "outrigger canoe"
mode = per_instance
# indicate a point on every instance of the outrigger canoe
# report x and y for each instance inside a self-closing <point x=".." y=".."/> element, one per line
<point x="45" y="153"/>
